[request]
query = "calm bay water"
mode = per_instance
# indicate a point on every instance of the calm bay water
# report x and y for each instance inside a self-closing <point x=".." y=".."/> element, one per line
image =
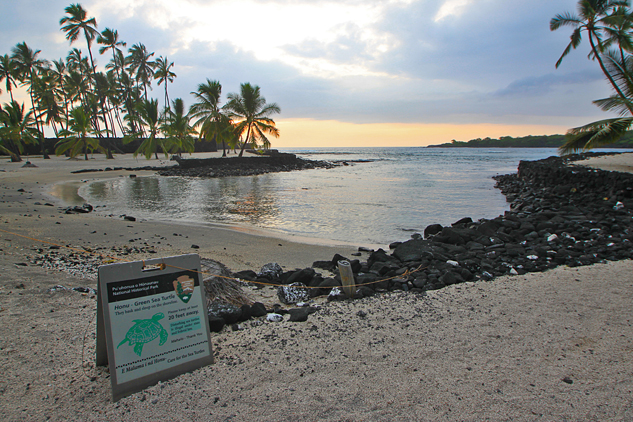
<point x="383" y="195"/>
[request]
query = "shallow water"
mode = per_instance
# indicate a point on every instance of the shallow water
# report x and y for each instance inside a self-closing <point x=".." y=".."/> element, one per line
<point x="388" y="195"/>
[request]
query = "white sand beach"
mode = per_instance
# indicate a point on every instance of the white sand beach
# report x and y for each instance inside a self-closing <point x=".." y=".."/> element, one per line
<point x="547" y="346"/>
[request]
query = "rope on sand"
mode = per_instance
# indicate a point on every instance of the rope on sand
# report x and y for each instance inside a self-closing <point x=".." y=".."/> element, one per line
<point x="163" y="265"/>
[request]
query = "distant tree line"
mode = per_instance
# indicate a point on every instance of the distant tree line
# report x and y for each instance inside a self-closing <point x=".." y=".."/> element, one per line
<point x="530" y="141"/>
<point x="90" y="110"/>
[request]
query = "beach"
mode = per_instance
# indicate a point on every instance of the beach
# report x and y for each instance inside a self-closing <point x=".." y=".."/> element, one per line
<point x="541" y="346"/>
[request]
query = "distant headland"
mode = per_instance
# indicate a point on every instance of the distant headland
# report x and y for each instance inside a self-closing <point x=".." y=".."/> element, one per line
<point x="538" y="141"/>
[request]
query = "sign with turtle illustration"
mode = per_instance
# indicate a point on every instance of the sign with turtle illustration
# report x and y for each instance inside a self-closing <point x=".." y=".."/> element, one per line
<point x="151" y="321"/>
<point x="145" y="330"/>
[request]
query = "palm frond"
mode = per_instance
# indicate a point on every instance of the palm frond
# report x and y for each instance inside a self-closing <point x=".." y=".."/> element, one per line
<point x="595" y="134"/>
<point x="564" y="19"/>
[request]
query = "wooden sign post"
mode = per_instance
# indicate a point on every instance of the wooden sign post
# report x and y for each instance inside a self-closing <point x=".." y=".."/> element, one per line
<point x="152" y="322"/>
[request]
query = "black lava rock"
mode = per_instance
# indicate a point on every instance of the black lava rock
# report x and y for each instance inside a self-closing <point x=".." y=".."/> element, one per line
<point x="216" y="323"/>
<point x="299" y="314"/>
<point x="258" y="309"/>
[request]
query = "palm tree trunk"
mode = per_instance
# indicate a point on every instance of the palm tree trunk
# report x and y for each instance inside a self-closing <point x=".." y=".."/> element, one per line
<point x="65" y="107"/>
<point x="40" y="128"/>
<point x="112" y="123"/>
<point x="117" y="116"/>
<point x="248" y="136"/>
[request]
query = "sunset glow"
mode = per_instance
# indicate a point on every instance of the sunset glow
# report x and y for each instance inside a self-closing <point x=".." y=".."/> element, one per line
<point x="331" y="133"/>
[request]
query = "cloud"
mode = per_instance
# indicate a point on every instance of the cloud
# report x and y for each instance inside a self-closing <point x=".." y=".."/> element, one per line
<point x="351" y="60"/>
<point x="539" y="85"/>
<point x="450" y="8"/>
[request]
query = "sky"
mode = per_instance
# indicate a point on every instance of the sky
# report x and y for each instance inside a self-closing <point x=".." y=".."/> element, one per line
<point x="354" y="72"/>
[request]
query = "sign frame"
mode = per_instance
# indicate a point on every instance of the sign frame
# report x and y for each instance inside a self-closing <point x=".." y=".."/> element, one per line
<point x="144" y="297"/>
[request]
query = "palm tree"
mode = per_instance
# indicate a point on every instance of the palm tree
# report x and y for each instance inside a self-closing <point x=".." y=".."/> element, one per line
<point x="77" y="22"/>
<point x="46" y="94"/>
<point x="27" y="65"/>
<point x="618" y="31"/>
<point x="149" y="116"/>
<point x="18" y="129"/>
<point x="76" y="87"/>
<point x="177" y="129"/>
<point x="140" y="65"/>
<point x="131" y="102"/>
<point x="109" y="38"/>
<point x="77" y="135"/>
<point x="207" y="112"/>
<point x="121" y="87"/>
<point x="59" y="71"/>
<point x="164" y="74"/>
<point x="8" y="73"/>
<point x="594" y="17"/>
<point x="251" y="108"/>
<point x="607" y="131"/>
<point x="78" y="63"/>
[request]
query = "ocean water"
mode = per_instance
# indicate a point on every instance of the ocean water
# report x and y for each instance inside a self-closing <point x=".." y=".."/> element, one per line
<point x="382" y="194"/>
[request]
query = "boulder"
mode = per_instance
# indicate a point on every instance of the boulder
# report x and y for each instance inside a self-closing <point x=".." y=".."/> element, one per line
<point x="246" y="312"/>
<point x="216" y="323"/>
<point x="293" y="293"/>
<point x="299" y="314"/>
<point x="270" y="271"/>
<point x="302" y="276"/>
<point x="431" y="230"/>
<point x="227" y="311"/>
<point x="258" y="309"/>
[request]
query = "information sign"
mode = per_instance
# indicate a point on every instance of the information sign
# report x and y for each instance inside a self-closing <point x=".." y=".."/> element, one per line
<point x="152" y="321"/>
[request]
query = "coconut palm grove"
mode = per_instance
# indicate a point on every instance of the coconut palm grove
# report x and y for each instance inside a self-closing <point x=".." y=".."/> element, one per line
<point x="91" y="110"/>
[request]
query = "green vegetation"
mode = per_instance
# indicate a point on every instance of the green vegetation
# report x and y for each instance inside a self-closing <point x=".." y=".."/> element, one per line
<point x="542" y="141"/>
<point x="607" y="24"/>
<point x="87" y="107"/>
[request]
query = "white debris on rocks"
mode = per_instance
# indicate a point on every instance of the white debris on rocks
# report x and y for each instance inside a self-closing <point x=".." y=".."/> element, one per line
<point x="274" y="317"/>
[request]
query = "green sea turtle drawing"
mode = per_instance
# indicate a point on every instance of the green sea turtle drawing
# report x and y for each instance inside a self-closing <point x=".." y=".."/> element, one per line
<point x="145" y="330"/>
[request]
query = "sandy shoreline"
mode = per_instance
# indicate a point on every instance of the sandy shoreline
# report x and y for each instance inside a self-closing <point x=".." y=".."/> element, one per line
<point x="237" y="247"/>
<point x="544" y="346"/>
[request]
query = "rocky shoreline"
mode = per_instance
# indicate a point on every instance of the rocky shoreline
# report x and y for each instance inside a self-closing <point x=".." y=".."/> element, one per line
<point x="241" y="166"/>
<point x="273" y="162"/>
<point x="561" y="214"/>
